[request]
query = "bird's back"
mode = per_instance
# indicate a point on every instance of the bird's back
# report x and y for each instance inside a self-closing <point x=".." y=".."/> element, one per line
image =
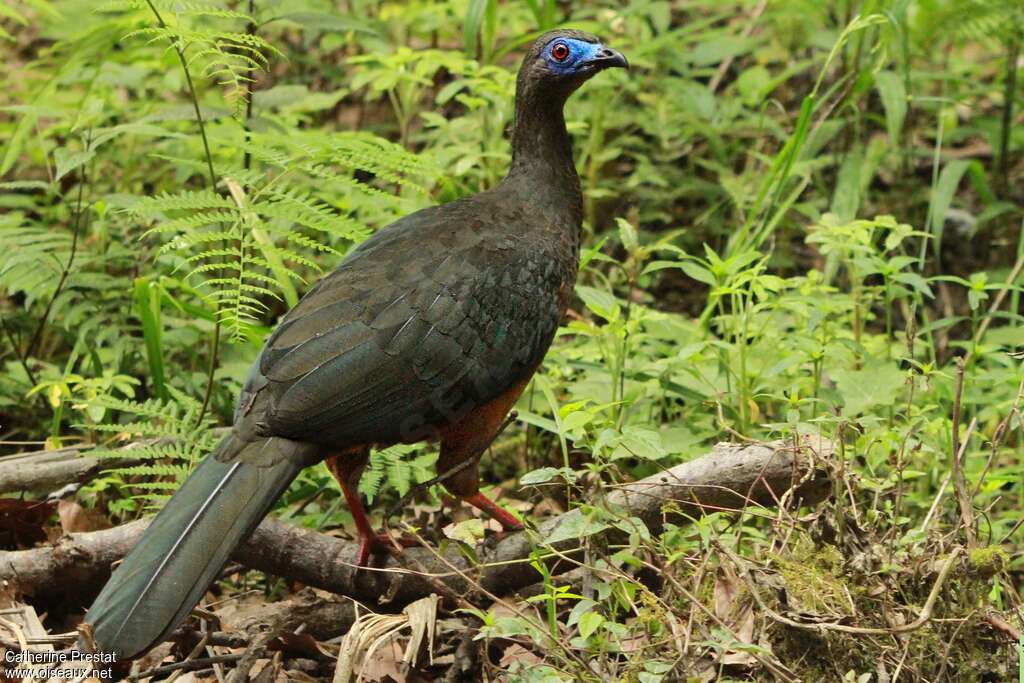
<point x="438" y="313"/>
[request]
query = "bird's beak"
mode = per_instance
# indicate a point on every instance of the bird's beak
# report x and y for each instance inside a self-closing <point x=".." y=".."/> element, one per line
<point x="606" y="58"/>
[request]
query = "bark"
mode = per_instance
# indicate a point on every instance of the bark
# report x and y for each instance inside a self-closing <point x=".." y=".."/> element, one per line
<point x="45" y="471"/>
<point x="730" y="477"/>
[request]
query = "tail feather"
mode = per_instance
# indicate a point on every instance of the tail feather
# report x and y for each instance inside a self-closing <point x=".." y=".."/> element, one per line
<point x="179" y="555"/>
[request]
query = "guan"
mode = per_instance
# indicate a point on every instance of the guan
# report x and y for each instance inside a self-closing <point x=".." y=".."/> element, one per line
<point x="427" y="331"/>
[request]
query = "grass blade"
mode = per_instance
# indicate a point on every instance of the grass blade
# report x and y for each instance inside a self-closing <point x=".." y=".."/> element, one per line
<point x="942" y="197"/>
<point x="147" y="307"/>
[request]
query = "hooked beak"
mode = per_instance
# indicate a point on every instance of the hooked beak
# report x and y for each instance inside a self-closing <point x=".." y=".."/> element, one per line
<point x="606" y="58"/>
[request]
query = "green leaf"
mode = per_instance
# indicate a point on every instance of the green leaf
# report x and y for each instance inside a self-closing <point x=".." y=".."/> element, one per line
<point x="639" y="442"/>
<point x="147" y="307"/>
<point x="698" y="273"/>
<point x="600" y="302"/>
<point x="628" y="234"/>
<point x="576" y="525"/>
<point x="915" y="281"/>
<point x="546" y="474"/>
<point x="846" y="199"/>
<point x="942" y="197"/>
<point x="590" y="622"/>
<point x="68" y="161"/>
<point x="719" y="49"/>
<point x="587" y="255"/>
<point x="471" y="26"/>
<point x="868" y="388"/>
<point x="326" y="21"/>
<point x="469" y="531"/>
<point x="753" y="84"/>
<point x="576" y="420"/>
<point x="894" y="101"/>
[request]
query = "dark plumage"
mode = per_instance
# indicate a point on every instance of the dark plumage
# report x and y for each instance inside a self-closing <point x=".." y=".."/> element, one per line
<point x="428" y="330"/>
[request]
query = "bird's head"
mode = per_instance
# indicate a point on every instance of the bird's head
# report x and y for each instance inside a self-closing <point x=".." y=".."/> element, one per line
<point x="560" y="61"/>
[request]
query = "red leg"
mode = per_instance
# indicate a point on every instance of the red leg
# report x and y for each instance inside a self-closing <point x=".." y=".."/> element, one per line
<point x="368" y="539"/>
<point x="464" y="442"/>
<point x="505" y="518"/>
<point x="347" y="467"/>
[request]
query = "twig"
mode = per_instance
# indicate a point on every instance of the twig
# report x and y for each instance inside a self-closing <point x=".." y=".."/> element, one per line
<point x="568" y="652"/>
<point x="1005" y="128"/>
<point x="188" y="665"/>
<point x="725" y="426"/>
<point x="944" y="657"/>
<point x="949" y="477"/>
<point x="250" y="30"/>
<point x="256" y="648"/>
<point x="957" y="453"/>
<point x="16" y="630"/>
<point x="999" y="624"/>
<point x="998" y="436"/>
<point x="1012" y="531"/>
<point x="935" y="502"/>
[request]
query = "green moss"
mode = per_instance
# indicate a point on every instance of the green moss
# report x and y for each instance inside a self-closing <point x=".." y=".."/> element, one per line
<point x="987" y="562"/>
<point x="813" y="577"/>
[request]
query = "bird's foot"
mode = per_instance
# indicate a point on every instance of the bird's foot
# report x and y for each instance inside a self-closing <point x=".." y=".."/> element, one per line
<point x="506" y="519"/>
<point x="381" y="543"/>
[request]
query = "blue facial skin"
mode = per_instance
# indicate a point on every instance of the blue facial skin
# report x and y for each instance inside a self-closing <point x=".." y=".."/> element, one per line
<point x="581" y="54"/>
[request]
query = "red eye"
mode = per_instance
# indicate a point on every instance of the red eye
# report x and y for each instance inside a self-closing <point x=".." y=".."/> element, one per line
<point x="560" y="51"/>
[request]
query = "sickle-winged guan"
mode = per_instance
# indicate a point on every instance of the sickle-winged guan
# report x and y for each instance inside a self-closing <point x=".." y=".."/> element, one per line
<point x="429" y="330"/>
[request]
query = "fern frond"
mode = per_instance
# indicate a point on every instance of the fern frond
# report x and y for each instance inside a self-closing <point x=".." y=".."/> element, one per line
<point x="185" y="200"/>
<point x="983" y="20"/>
<point x="246" y="250"/>
<point x="294" y="237"/>
<point x="25" y="185"/>
<point x="169" y="447"/>
<point x="196" y="220"/>
<point x="179" y="7"/>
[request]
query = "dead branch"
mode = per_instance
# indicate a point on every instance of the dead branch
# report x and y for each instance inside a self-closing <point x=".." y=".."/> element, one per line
<point x="79" y="563"/>
<point x="45" y="471"/>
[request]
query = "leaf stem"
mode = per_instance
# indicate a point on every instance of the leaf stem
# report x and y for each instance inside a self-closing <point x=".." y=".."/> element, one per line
<point x="1009" y="93"/>
<point x="215" y="341"/>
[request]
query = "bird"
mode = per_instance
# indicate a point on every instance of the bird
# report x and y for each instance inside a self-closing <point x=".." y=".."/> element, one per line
<point x="429" y="330"/>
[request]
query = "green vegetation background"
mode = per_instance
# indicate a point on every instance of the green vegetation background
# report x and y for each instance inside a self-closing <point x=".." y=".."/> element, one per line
<point x="802" y="218"/>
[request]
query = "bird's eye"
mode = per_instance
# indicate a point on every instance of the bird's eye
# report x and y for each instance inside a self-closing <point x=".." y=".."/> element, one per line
<point x="560" y="52"/>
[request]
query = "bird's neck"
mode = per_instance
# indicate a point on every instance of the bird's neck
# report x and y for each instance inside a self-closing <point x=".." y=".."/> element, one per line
<point x="541" y="150"/>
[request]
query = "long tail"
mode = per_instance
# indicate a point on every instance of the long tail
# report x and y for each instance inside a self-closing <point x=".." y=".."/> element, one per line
<point x="181" y="552"/>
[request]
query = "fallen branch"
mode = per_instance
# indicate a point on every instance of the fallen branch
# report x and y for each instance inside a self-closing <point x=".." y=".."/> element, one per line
<point x="80" y="563"/>
<point x="45" y="471"/>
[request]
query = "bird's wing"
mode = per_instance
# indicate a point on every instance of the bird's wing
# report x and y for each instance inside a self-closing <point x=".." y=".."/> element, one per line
<point x="433" y="318"/>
